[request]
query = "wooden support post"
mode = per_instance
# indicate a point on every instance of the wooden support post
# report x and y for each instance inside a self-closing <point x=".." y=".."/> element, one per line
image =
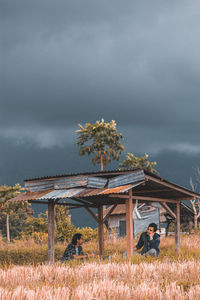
<point x="100" y="231"/>
<point x="51" y="231"/>
<point x="177" y="233"/>
<point x="129" y="224"/>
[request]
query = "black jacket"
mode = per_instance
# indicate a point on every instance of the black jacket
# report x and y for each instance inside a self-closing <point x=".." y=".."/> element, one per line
<point x="147" y="244"/>
<point x="70" y="251"/>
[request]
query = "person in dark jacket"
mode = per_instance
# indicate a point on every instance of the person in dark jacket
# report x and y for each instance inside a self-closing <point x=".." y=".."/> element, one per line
<point x="74" y="249"/>
<point x="150" y="241"/>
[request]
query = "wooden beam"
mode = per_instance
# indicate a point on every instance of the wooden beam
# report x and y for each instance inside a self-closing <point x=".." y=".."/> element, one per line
<point x="152" y="191"/>
<point x="168" y="209"/>
<point x="172" y="186"/>
<point x="143" y="198"/>
<point x="129" y="225"/>
<point x="51" y="231"/>
<point x="92" y="214"/>
<point x="38" y="202"/>
<point x="110" y="212"/>
<point x="177" y="233"/>
<point x="100" y="232"/>
<point x="88" y="203"/>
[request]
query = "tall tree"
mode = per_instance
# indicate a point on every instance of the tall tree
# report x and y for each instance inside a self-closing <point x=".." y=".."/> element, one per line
<point x="7" y="208"/>
<point x="194" y="183"/>
<point x="101" y="140"/>
<point x="133" y="162"/>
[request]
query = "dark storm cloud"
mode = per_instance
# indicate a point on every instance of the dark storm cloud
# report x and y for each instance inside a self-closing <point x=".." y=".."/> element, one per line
<point x="70" y="62"/>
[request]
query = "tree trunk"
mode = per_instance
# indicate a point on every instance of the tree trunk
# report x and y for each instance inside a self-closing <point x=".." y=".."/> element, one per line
<point x="8" y="228"/>
<point x="195" y="221"/>
<point x="101" y="159"/>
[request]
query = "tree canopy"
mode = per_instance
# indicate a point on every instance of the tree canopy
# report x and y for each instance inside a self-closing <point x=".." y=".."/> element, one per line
<point x="133" y="162"/>
<point x="100" y="139"/>
<point x="12" y="213"/>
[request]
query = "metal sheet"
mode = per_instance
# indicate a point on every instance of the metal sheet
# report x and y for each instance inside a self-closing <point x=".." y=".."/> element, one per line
<point x="89" y="192"/>
<point x="97" y="182"/>
<point x="39" y="186"/>
<point x="29" y="196"/>
<point x="126" y="179"/>
<point x="147" y="218"/>
<point x="61" y="194"/>
<point x="117" y="190"/>
<point x="120" y="189"/>
<point x="71" y="182"/>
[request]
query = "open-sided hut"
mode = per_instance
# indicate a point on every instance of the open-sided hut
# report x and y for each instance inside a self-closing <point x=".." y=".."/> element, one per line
<point x="96" y="189"/>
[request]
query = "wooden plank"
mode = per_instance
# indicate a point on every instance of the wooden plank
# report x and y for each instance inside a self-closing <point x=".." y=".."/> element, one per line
<point x="168" y="209"/>
<point x="92" y="214"/>
<point x="51" y="231"/>
<point x="86" y="202"/>
<point x="100" y="232"/>
<point x="152" y="191"/>
<point x="129" y="225"/>
<point x="177" y="233"/>
<point x="110" y="212"/>
<point x="143" y="198"/>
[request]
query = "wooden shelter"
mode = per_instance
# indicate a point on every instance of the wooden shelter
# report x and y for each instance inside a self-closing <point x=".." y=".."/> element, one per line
<point x="96" y="189"/>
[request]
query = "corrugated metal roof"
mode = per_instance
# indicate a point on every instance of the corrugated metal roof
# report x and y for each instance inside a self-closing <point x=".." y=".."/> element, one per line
<point x="30" y="196"/>
<point x="89" y="192"/>
<point x="71" y="182"/>
<point x="125" y="179"/>
<point x="105" y="191"/>
<point x="72" y="193"/>
<point x="82" y="173"/>
<point x="117" y="190"/>
<point x="61" y="194"/>
<point x="111" y="173"/>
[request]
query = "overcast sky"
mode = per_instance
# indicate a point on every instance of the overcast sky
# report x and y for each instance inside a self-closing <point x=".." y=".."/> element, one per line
<point x="68" y="62"/>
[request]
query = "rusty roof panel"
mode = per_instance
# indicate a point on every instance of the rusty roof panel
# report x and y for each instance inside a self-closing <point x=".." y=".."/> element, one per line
<point x="39" y="186"/>
<point x="117" y="190"/>
<point x="71" y="182"/>
<point x="104" y="191"/>
<point x="126" y="179"/>
<point x="96" y="182"/>
<point x="30" y="196"/>
<point x="98" y="173"/>
<point x="61" y="194"/>
<point x="89" y="192"/>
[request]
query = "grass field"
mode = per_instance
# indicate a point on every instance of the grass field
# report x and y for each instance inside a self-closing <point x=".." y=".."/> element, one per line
<point x="167" y="277"/>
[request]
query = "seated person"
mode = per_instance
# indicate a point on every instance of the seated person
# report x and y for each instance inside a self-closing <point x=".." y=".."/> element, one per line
<point x="150" y="241"/>
<point x="74" y="249"/>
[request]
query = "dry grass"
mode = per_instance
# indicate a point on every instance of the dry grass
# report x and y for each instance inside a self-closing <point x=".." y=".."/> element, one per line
<point x="157" y="280"/>
<point x="167" y="277"/>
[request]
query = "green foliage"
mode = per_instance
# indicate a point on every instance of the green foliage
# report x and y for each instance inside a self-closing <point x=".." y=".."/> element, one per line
<point x="12" y="214"/>
<point x="133" y="162"/>
<point x="37" y="227"/>
<point x="101" y="140"/>
<point x="88" y="233"/>
<point x="36" y="224"/>
<point x="64" y="229"/>
<point x="17" y="222"/>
